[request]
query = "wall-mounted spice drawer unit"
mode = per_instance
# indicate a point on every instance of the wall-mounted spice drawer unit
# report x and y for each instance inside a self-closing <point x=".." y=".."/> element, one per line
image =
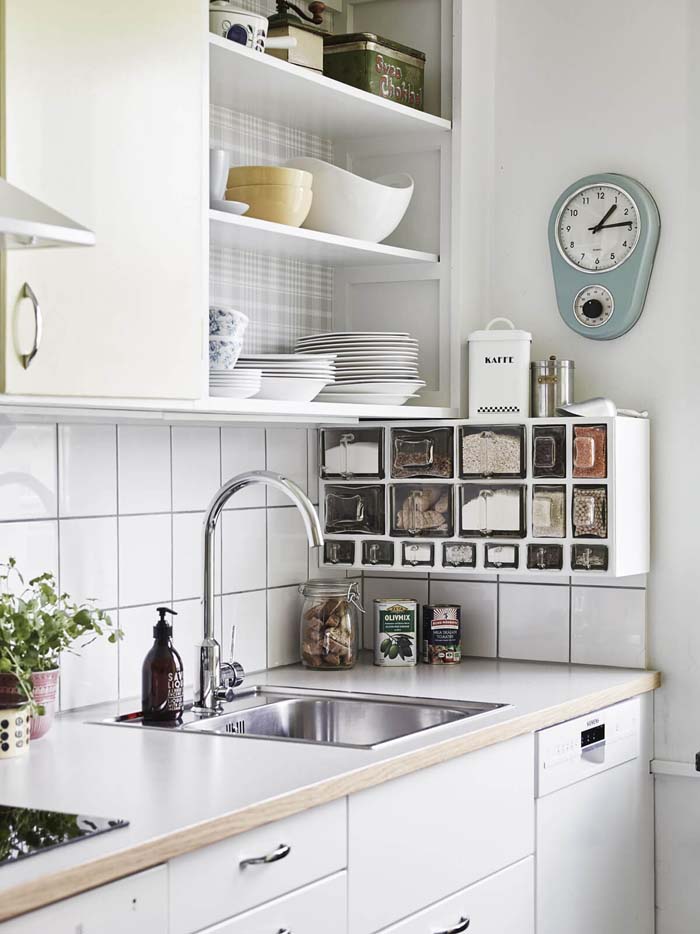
<point x="535" y="498"/>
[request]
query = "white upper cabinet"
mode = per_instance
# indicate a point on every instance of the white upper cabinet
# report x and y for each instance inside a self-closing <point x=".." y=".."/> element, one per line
<point x="103" y="119"/>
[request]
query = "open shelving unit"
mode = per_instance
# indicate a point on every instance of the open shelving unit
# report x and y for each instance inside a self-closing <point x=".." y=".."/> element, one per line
<point x="247" y="81"/>
<point x="310" y="246"/>
<point x="403" y="285"/>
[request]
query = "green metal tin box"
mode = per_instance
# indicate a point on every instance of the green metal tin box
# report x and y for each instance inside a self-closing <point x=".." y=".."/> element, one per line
<point x="377" y="65"/>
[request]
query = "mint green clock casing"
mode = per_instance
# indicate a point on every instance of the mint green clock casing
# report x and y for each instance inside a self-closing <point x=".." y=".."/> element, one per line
<point x="628" y="283"/>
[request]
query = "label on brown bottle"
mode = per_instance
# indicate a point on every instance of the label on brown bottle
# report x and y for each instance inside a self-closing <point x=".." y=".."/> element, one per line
<point x="175" y="691"/>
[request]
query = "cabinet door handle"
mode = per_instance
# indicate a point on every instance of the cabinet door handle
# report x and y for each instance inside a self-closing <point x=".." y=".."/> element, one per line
<point x="462" y="925"/>
<point x="281" y="851"/>
<point x="28" y="292"/>
<point x="284" y="931"/>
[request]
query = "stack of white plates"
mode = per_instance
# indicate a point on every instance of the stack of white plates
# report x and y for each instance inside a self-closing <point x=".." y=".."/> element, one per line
<point x="290" y="377"/>
<point x="372" y="367"/>
<point x="235" y="384"/>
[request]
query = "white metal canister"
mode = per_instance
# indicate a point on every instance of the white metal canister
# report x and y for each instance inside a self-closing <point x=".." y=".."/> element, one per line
<point x="499" y="372"/>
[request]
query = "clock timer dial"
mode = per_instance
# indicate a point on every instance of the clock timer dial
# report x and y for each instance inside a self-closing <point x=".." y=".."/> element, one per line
<point x="598" y="228"/>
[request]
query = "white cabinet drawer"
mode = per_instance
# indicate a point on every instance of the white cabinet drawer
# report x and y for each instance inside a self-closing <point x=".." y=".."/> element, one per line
<point x="319" y="908"/>
<point x="137" y="904"/>
<point x="225" y="886"/>
<point x="502" y="904"/>
<point x="438" y="830"/>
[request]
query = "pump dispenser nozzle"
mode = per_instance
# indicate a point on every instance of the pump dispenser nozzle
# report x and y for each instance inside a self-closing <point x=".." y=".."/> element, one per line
<point x="162" y="679"/>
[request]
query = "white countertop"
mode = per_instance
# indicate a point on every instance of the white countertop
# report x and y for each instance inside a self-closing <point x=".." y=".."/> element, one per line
<point x="165" y="784"/>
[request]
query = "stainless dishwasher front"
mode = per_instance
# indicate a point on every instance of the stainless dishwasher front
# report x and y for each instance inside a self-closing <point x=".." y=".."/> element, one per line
<point x="594" y="832"/>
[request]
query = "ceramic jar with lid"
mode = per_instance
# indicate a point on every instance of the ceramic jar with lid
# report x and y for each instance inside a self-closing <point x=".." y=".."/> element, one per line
<point x="330" y="624"/>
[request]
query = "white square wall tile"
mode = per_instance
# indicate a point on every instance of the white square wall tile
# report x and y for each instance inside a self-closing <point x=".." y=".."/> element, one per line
<point x="87" y="470"/>
<point x="196" y="467"/>
<point x="533" y="622"/>
<point x="479" y="603"/>
<point x="144" y="468"/>
<point x="137" y="625"/>
<point x="188" y="629"/>
<point x="287" y="453"/>
<point x="91" y="677"/>
<point x="244" y="564"/>
<point x="287" y="548"/>
<point x="145" y="560"/>
<point x="27" y="471"/>
<point x="248" y="613"/>
<point x="388" y="588"/>
<point x="88" y="549"/>
<point x="33" y="545"/>
<point x="243" y="449"/>
<point x="608" y="626"/>
<point x="283" y="622"/>
<point x="188" y="555"/>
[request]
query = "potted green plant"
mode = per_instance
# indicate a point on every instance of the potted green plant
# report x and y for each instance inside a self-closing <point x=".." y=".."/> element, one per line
<point x="37" y="624"/>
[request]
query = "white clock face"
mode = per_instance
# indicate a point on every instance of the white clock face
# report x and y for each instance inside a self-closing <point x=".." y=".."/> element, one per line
<point x="598" y="228"/>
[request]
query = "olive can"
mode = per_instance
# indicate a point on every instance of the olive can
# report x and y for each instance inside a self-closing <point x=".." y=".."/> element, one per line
<point x="395" y="632"/>
<point x="442" y="634"/>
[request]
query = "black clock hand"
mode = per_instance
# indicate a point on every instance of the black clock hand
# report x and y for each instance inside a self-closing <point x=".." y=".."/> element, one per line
<point x="608" y="226"/>
<point x="603" y="219"/>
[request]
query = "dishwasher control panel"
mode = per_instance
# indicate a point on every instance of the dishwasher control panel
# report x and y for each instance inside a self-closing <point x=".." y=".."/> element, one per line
<point x="571" y="751"/>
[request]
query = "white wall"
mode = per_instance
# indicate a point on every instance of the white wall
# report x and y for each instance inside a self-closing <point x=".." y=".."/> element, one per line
<point x="612" y="85"/>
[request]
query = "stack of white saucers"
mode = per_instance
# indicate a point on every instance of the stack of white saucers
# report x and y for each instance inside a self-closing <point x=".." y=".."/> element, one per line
<point x="371" y="367"/>
<point x="290" y="377"/>
<point x="235" y="384"/>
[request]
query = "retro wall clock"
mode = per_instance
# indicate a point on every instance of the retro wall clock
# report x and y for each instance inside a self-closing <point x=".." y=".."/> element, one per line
<point x="603" y="234"/>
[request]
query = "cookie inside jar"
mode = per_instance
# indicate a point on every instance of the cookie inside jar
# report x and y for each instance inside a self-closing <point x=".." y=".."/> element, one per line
<point x="330" y="623"/>
<point x="422" y="510"/>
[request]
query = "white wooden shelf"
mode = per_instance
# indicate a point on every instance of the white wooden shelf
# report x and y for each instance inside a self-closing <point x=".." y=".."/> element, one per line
<point x="273" y="90"/>
<point x="219" y="410"/>
<point x="247" y="233"/>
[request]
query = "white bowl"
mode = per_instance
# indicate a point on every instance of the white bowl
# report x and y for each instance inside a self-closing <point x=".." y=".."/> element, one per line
<point x="351" y="206"/>
<point x="290" y="390"/>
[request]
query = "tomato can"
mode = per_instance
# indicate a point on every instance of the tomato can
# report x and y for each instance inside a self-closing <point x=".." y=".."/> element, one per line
<point x="442" y="634"/>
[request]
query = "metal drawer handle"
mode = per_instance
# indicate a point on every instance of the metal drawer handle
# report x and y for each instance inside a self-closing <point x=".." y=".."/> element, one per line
<point x="281" y="851"/>
<point x="462" y="925"/>
<point x="28" y="292"/>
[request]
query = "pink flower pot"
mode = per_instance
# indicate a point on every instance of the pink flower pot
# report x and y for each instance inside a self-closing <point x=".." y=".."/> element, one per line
<point x="45" y="684"/>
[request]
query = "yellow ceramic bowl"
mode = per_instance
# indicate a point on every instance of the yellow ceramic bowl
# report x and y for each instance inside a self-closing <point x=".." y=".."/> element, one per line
<point x="268" y="175"/>
<point x="281" y="204"/>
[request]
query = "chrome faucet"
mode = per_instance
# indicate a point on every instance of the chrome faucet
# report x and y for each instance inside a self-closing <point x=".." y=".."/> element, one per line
<point x="213" y="680"/>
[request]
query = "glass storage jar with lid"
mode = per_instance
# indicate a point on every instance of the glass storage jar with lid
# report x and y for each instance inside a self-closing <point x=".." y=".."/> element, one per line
<point x="330" y="624"/>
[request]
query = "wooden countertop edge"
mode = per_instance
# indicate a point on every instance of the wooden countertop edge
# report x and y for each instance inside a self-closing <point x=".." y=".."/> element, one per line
<point x="52" y="888"/>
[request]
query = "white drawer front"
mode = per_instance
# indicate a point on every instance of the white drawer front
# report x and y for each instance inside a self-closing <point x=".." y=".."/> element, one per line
<point x="137" y="904"/>
<point x="419" y="838"/>
<point x="319" y="908"/>
<point x="502" y="904"/>
<point x="211" y="884"/>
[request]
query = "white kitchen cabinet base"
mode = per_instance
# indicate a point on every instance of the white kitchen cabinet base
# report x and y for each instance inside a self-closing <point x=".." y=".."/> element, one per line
<point x="501" y="904"/>
<point x="438" y="830"/>
<point x="137" y="904"/>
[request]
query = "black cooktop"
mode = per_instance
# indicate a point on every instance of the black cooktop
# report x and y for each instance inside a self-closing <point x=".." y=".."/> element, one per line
<point x="26" y="832"/>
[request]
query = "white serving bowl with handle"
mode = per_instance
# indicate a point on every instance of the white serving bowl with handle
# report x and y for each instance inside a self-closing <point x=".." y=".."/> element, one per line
<point x="351" y="206"/>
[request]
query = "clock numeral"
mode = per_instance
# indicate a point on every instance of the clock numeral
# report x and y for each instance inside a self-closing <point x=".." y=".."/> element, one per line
<point x="597" y="262"/>
<point x="627" y="210"/>
<point x="585" y="200"/>
<point x="624" y="243"/>
<point x="612" y="256"/>
<point x="568" y="229"/>
<point x="572" y="244"/>
<point x="573" y="212"/>
<point x="582" y="255"/>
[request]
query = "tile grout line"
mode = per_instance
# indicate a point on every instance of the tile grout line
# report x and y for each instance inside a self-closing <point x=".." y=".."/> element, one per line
<point x="119" y="648"/>
<point x="58" y="543"/>
<point x="267" y="581"/>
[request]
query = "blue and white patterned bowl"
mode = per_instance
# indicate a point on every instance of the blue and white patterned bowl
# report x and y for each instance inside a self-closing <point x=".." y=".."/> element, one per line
<point x="227" y="322"/>
<point x="224" y="352"/>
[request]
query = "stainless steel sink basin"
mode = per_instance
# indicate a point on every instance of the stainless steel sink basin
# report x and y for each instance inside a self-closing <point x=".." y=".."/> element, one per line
<point x="333" y="718"/>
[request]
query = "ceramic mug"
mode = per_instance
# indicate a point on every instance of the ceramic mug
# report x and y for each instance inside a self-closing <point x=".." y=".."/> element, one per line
<point x="219" y="164"/>
<point x="14" y="731"/>
<point x="238" y="25"/>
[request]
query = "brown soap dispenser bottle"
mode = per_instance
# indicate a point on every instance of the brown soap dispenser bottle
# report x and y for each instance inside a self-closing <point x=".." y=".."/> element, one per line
<point x="162" y="680"/>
